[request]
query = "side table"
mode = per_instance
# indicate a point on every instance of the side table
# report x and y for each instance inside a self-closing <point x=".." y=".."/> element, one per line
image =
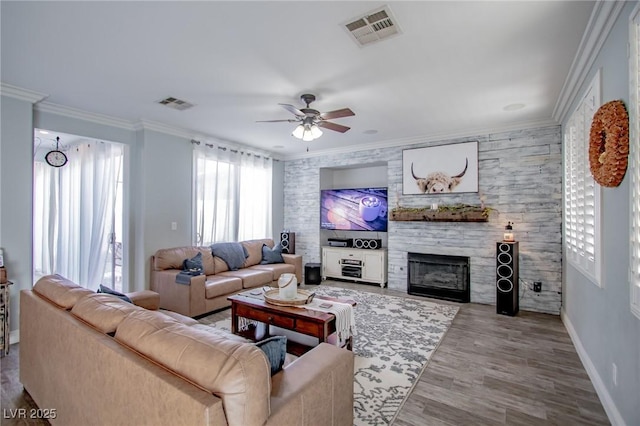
<point x="4" y="318"/>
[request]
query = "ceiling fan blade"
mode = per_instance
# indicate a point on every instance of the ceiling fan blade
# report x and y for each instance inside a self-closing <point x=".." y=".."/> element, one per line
<point x="344" y="112"/>
<point x="293" y="110"/>
<point x="290" y="120"/>
<point x="333" y="126"/>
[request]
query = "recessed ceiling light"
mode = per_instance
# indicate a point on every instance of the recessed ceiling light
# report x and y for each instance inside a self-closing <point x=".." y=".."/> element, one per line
<point x="370" y="132"/>
<point x="44" y="132"/>
<point x="513" y="107"/>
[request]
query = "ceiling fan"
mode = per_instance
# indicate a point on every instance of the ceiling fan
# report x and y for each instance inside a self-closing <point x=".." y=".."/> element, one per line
<point x="311" y="120"/>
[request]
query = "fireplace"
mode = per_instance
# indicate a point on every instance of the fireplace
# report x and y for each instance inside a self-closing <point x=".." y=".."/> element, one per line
<point x="439" y="276"/>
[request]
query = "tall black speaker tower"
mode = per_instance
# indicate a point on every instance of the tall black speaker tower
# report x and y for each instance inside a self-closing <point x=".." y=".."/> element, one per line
<point x="507" y="288"/>
<point x="288" y="242"/>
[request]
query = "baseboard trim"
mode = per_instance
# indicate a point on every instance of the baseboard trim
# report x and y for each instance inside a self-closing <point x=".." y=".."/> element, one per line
<point x="605" y="398"/>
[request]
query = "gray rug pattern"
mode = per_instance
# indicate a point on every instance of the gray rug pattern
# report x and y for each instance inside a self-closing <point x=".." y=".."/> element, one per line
<point x="395" y="338"/>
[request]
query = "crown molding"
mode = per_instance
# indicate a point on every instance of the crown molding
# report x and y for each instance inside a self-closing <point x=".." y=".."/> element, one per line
<point x="19" y="93"/>
<point x="143" y="124"/>
<point x="92" y="117"/>
<point x="156" y="126"/>
<point x="469" y="133"/>
<point x="602" y="19"/>
<point x="191" y="135"/>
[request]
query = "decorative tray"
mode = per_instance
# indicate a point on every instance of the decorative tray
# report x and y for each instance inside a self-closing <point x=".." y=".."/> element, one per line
<point x="273" y="297"/>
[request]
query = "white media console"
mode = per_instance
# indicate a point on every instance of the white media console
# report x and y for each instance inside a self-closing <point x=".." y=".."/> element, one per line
<point x="361" y="265"/>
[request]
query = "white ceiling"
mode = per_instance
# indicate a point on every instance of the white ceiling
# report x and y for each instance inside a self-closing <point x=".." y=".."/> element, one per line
<point x="451" y="71"/>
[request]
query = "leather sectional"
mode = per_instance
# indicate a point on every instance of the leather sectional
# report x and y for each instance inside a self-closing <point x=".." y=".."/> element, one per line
<point x="209" y="292"/>
<point x="96" y="359"/>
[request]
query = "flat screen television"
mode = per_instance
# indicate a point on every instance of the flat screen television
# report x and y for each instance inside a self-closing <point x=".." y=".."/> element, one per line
<point x="354" y="209"/>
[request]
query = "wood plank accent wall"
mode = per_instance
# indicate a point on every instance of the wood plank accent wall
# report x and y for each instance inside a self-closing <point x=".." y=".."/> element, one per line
<point x="520" y="176"/>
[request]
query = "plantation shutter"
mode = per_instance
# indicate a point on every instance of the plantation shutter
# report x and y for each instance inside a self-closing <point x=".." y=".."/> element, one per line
<point x="634" y="161"/>
<point x="582" y="196"/>
<point x="589" y="188"/>
<point x="570" y="217"/>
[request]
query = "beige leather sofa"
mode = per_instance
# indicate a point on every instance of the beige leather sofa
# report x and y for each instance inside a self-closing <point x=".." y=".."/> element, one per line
<point x="209" y="292"/>
<point x="96" y="360"/>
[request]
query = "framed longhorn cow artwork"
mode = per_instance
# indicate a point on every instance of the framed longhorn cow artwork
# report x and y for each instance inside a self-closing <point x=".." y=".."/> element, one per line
<point x="441" y="169"/>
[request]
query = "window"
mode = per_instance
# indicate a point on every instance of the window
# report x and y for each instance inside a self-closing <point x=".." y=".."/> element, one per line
<point x="634" y="159"/>
<point x="232" y="195"/>
<point x="581" y="194"/>
<point x="77" y="214"/>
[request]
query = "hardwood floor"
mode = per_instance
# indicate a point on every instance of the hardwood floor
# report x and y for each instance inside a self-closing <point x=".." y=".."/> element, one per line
<point x="13" y="397"/>
<point x="494" y="369"/>
<point x="489" y="370"/>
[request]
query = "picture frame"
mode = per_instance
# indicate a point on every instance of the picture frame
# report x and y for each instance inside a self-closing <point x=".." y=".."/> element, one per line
<point x="441" y="169"/>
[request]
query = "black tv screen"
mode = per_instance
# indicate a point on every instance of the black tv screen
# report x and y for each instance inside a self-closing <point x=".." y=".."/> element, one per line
<point x="357" y="209"/>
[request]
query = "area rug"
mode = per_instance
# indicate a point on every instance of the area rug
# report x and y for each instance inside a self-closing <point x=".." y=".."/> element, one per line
<point x="395" y="338"/>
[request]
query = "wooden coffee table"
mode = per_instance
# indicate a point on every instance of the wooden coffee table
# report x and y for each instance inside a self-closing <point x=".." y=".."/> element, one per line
<point x="295" y="318"/>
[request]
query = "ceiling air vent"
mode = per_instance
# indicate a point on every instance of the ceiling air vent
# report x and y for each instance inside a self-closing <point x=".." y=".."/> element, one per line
<point x="375" y="26"/>
<point x="175" y="103"/>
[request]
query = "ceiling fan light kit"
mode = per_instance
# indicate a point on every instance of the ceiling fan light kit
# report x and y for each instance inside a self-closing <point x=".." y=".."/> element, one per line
<point x="298" y="132"/>
<point x="310" y="120"/>
<point x="316" y="132"/>
<point x="307" y="131"/>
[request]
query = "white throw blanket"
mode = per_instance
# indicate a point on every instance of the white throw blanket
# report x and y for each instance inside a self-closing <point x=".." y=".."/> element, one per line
<point x="245" y="323"/>
<point x="345" y="317"/>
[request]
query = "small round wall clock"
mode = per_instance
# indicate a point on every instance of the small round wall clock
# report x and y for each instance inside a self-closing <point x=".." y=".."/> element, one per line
<point x="56" y="158"/>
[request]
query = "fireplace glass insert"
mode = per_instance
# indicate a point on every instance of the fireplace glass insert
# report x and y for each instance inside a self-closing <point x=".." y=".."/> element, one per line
<point x="439" y="276"/>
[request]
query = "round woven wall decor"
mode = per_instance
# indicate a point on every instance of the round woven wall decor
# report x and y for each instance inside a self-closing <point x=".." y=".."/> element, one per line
<point x="609" y="144"/>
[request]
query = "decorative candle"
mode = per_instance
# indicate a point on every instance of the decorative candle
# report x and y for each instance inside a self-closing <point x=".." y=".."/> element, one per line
<point x="508" y="233"/>
<point x="287" y="286"/>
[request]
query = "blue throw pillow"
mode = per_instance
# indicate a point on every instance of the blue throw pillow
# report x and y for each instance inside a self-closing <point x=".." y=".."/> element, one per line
<point x="107" y="290"/>
<point x="275" y="348"/>
<point x="193" y="264"/>
<point x="273" y="255"/>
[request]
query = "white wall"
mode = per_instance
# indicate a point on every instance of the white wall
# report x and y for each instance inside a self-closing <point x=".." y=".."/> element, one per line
<point x="363" y="176"/>
<point x="166" y="179"/>
<point x="600" y="319"/>
<point x="16" y="175"/>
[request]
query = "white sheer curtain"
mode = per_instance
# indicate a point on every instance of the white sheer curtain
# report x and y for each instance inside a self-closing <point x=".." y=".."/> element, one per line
<point x="232" y="195"/>
<point x="255" y="197"/>
<point x="215" y="182"/>
<point x="73" y="212"/>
